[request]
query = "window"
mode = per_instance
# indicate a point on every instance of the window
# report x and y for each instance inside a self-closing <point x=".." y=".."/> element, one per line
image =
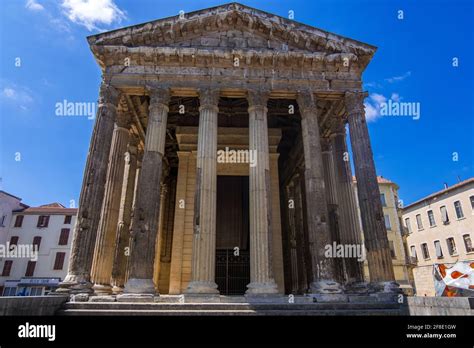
<point x="382" y="199"/>
<point x="19" y="221"/>
<point x="9" y="291"/>
<point x="451" y="246"/>
<point x="37" y="241"/>
<point x="7" y="267"/>
<point x="458" y="209"/>
<point x="419" y="223"/>
<point x="64" y="236"/>
<point x="2" y="220"/>
<point x="439" y="251"/>
<point x="14" y="241"/>
<point x="36" y="291"/>
<point x="43" y="221"/>
<point x="413" y="252"/>
<point x="59" y="261"/>
<point x="67" y="219"/>
<point x="392" y="249"/>
<point x="30" y="269"/>
<point x="468" y="243"/>
<point x="444" y="215"/>
<point x="387" y="222"/>
<point x="407" y="224"/>
<point x="424" y="249"/>
<point x="472" y="202"/>
<point x="431" y="218"/>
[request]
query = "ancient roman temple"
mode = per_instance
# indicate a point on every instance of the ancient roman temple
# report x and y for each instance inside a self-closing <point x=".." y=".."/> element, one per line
<point x="219" y="161"/>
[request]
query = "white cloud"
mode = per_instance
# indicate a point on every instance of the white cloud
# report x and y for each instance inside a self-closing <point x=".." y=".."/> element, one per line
<point x="374" y="103"/>
<point x="9" y="92"/>
<point x="91" y="13"/>
<point x="60" y="24"/>
<point x="395" y="97"/>
<point x="398" y="78"/>
<point x="378" y="98"/>
<point x="32" y="5"/>
<point x="18" y="95"/>
<point x="372" y="106"/>
<point x="371" y="113"/>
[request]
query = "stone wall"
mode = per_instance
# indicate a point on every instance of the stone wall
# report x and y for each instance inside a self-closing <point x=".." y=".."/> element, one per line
<point x="34" y="305"/>
<point x="441" y="305"/>
<point x="424" y="281"/>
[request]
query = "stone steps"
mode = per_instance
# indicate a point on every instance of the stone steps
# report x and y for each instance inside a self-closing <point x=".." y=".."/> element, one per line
<point x="227" y="309"/>
<point x="173" y="312"/>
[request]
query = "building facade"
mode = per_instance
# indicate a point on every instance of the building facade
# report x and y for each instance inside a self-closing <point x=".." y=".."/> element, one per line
<point x="392" y="214"/>
<point x="46" y="229"/>
<point x="8" y="204"/>
<point x="218" y="162"/>
<point x="440" y="232"/>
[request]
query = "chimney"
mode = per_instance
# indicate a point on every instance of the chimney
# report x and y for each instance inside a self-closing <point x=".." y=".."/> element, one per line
<point x="445" y="186"/>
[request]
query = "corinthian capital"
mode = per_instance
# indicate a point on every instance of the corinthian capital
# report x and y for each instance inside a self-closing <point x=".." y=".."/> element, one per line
<point x="306" y="103"/>
<point x="123" y="119"/>
<point x="208" y="97"/>
<point x="354" y="102"/>
<point x="159" y="97"/>
<point x="257" y="97"/>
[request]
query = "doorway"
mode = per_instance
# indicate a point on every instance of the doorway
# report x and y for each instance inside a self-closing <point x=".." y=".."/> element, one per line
<point x="232" y="235"/>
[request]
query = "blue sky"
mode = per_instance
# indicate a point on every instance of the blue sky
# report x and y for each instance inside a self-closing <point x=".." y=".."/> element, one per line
<point x="43" y="155"/>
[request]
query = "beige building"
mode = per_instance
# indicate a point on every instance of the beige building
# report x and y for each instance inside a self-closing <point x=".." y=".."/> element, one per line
<point x="441" y="231"/>
<point x="392" y="218"/>
<point x="46" y="229"/>
<point x="8" y="204"/>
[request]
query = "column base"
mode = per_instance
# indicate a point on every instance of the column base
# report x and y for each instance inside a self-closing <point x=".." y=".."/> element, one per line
<point x="386" y="291"/>
<point x="256" y="289"/>
<point x="325" y="287"/>
<point x="140" y="286"/>
<point x="117" y="289"/>
<point x="384" y="287"/>
<point x="74" y="284"/>
<point x="357" y="288"/>
<point x="102" y="289"/>
<point x="202" y="287"/>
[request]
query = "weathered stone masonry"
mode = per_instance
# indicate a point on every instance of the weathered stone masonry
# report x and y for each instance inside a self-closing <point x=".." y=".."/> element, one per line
<point x="177" y="90"/>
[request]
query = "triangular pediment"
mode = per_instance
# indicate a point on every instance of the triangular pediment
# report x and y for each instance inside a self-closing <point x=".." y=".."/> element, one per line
<point x="231" y="26"/>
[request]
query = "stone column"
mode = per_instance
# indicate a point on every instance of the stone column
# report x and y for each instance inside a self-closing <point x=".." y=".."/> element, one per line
<point x="375" y="235"/>
<point x="348" y="216"/>
<point x="204" y="243"/>
<point x="159" y="237"/>
<point x="146" y="210"/>
<point x="92" y="194"/>
<point x="105" y="243"/>
<point x="261" y="242"/>
<point x="332" y="203"/>
<point x="178" y="225"/>
<point x="135" y="188"/>
<point x="277" y="254"/>
<point x="122" y="239"/>
<point x="323" y="273"/>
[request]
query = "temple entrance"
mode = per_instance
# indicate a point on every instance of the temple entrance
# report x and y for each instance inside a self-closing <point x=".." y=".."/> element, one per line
<point x="232" y="235"/>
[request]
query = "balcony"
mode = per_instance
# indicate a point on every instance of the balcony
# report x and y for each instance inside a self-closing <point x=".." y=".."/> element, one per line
<point x="412" y="261"/>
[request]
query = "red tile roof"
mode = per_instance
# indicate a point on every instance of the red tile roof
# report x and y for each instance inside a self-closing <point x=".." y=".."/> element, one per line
<point x="51" y="208"/>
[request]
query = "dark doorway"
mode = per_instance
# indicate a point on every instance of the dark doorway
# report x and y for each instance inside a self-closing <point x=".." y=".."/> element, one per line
<point x="232" y="235"/>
